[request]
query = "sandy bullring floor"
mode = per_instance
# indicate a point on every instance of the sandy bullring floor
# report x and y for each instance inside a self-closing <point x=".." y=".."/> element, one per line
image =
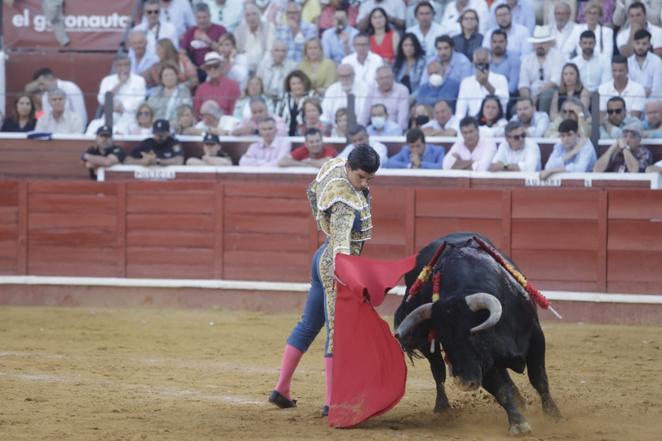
<point x="102" y="374"/>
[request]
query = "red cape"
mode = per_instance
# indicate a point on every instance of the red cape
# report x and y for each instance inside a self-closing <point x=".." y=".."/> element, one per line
<point x="369" y="370"/>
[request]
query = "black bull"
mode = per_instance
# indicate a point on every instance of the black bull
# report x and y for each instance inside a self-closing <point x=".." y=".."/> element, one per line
<point x="482" y="335"/>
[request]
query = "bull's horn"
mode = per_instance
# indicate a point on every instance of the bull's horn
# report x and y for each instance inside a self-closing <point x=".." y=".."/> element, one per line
<point x="482" y="300"/>
<point x="423" y="312"/>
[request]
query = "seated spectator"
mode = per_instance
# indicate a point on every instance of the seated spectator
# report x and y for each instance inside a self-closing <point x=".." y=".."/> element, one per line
<point x="227" y="48"/>
<point x="636" y="21"/>
<point x="340" y="127"/>
<point x="168" y="55"/>
<point x="218" y="86"/>
<point x="213" y="153"/>
<point x="523" y="12"/>
<point x="655" y="168"/>
<point x="364" y="62"/>
<point x="311" y="110"/>
<point x="450" y="22"/>
<point x="141" y="60"/>
<point x="395" y="97"/>
<point x="420" y="115"/>
<point x="383" y="39"/>
<point x="472" y="152"/>
<point x="540" y="73"/>
<point x="141" y="125"/>
<point x="335" y="96"/>
<point x="184" y="125"/>
<point x="253" y="36"/>
<point x="213" y="121"/>
<point x="615" y="120"/>
<point x="128" y="92"/>
<point x="469" y="38"/>
<point x="47" y="81"/>
<point x="337" y="41"/>
<point x="297" y="88"/>
<point x="437" y="88"/>
<point x="417" y="153"/>
<point x="453" y="64"/>
<point x="626" y="154"/>
<point x="23" y="118"/>
<point x="254" y="87"/>
<point x="312" y="154"/>
<point x="505" y="62"/>
<point x="160" y="149"/>
<point x="575" y="153"/>
<point x="491" y="119"/>
<point x="103" y="153"/>
<point x="562" y="24"/>
<point x="33" y="90"/>
<point x="644" y="66"/>
<point x="476" y="87"/>
<point x="409" y="63"/>
<point x="395" y="9"/>
<point x="535" y="123"/>
<point x="518" y="35"/>
<point x="268" y="151"/>
<point x="380" y="125"/>
<point x="603" y="36"/>
<point x="594" y="69"/>
<point x="259" y="111"/>
<point x="179" y="13"/>
<point x="273" y="69"/>
<point x="426" y="29"/>
<point x="444" y="122"/>
<point x="169" y="95"/>
<point x="201" y="38"/>
<point x="320" y="70"/>
<point x="620" y="12"/>
<point x="653" y="121"/>
<point x="358" y="135"/>
<point x="571" y="85"/>
<point x="295" y="32"/>
<point x="621" y="85"/>
<point x="58" y="119"/>
<point x="573" y="109"/>
<point x="155" y="28"/>
<point x="226" y="13"/>
<point x="517" y="152"/>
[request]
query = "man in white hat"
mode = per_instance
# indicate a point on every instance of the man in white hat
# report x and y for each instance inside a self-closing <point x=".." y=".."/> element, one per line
<point x="218" y="86"/>
<point x="540" y="73"/>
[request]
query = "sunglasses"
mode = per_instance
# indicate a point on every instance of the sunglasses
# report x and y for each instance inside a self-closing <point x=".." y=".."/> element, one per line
<point x="152" y="12"/>
<point x="541" y="73"/>
<point x="616" y="111"/>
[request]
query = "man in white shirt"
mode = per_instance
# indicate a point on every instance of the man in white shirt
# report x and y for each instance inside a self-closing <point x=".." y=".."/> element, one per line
<point x="358" y="135"/>
<point x="395" y="9"/>
<point x="141" y="59"/>
<point x="426" y="29"/>
<point x="540" y="73"/>
<point x="563" y="27"/>
<point x="226" y="13"/>
<point x="518" y="34"/>
<point x="364" y="62"/>
<point x="645" y="67"/>
<point x="637" y="21"/>
<point x="517" y="152"/>
<point x="593" y="68"/>
<point x="523" y="12"/>
<point x="58" y="119"/>
<point x="75" y="101"/>
<point x="154" y="28"/>
<point x="335" y="96"/>
<point x="444" y="122"/>
<point x="450" y="22"/>
<point x="177" y="12"/>
<point x="273" y="69"/>
<point x="621" y="85"/>
<point x="128" y="91"/>
<point x="394" y="96"/>
<point x="476" y="87"/>
<point x="472" y="152"/>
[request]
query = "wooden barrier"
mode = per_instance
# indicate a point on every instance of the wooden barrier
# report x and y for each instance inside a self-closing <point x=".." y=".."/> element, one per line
<point x="605" y="240"/>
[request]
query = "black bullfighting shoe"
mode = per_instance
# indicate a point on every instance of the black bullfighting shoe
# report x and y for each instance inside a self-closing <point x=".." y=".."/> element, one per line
<point x="325" y="411"/>
<point x="279" y="400"/>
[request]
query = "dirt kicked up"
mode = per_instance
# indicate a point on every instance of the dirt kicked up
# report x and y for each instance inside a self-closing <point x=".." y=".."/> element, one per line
<point x="111" y="374"/>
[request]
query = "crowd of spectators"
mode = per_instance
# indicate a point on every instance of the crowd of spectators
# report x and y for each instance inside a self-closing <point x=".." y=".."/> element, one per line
<point x="472" y="69"/>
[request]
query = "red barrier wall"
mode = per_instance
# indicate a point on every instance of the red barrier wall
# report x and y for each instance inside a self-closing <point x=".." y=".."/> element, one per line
<point x="606" y="240"/>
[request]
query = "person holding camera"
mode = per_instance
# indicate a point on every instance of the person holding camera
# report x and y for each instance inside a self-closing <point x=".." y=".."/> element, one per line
<point x="482" y="83"/>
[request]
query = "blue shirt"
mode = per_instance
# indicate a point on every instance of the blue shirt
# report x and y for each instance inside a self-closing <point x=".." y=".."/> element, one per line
<point x="333" y="47"/>
<point x="433" y="157"/>
<point x="509" y="67"/>
<point x="580" y="163"/>
<point x="448" y="91"/>
<point x="295" y="45"/>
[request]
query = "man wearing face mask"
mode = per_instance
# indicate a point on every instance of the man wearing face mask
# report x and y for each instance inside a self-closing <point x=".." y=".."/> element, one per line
<point x="380" y="124"/>
<point x="394" y="96"/>
<point x="436" y="88"/>
<point x="337" y="41"/>
<point x="417" y="154"/>
<point x="476" y="87"/>
<point x="335" y="97"/>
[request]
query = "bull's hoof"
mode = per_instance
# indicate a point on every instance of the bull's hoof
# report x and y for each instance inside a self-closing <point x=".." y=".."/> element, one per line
<point x="442" y="408"/>
<point x="518" y="429"/>
<point x="281" y="401"/>
<point x="551" y="409"/>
